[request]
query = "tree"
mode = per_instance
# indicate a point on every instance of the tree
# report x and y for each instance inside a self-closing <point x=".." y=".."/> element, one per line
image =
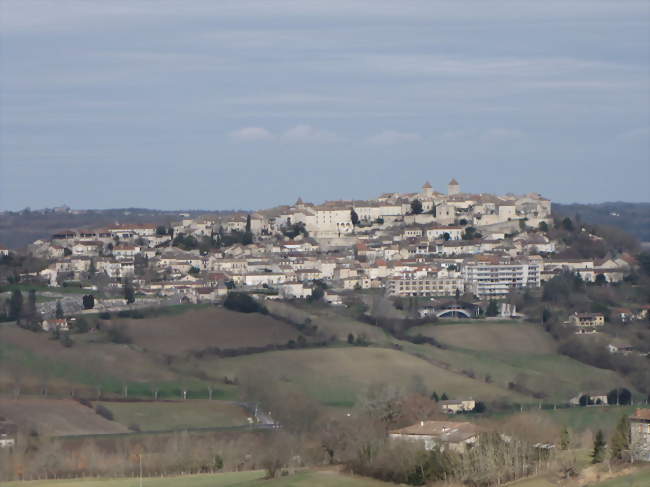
<point x="247" y="237"/>
<point x="434" y="396"/>
<point x="471" y="234"/>
<point x="58" y="314"/>
<point x="620" y="396"/>
<point x="543" y="226"/>
<point x="317" y="293"/>
<point x="446" y="236"/>
<point x="584" y="400"/>
<point x="492" y="309"/>
<point x="244" y="303"/>
<point x="350" y="338"/>
<point x="444" y="397"/>
<point x="161" y="230"/>
<point x="129" y="292"/>
<point x="15" y="305"/>
<point x="480" y="407"/>
<point x="88" y="301"/>
<point x="354" y="218"/>
<point x="416" y="206"/>
<point x="598" y="452"/>
<point x="567" y="224"/>
<point x="565" y="439"/>
<point x="621" y="439"/>
<point x="92" y="268"/>
<point x="601" y="280"/>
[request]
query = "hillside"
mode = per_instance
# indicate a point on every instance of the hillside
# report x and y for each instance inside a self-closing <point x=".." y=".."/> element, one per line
<point x="20" y="228"/>
<point x="634" y="218"/>
<point x="57" y="417"/>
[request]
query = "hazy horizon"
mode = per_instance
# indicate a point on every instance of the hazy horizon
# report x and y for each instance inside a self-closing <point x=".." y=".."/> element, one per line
<point x="251" y="104"/>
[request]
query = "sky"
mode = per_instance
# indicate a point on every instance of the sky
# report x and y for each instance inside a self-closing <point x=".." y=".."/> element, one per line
<point x="249" y="104"/>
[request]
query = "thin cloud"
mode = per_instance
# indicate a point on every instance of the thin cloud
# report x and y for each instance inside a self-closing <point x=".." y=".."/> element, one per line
<point x="307" y="133"/>
<point x="251" y="134"/>
<point x="299" y="133"/>
<point x="641" y="133"/>
<point x="501" y="134"/>
<point x="391" y="137"/>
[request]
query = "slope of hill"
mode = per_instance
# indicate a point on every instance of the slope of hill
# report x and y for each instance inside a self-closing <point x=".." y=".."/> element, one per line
<point x="207" y="327"/>
<point x="634" y="218"/>
<point x="57" y="417"/>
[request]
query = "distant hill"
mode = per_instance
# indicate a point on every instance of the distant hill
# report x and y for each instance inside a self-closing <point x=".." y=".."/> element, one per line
<point x="20" y="228"/>
<point x="634" y="218"/>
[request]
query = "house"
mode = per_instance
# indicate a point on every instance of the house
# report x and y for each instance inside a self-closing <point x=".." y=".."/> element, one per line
<point x="447" y="435"/>
<point x="8" y="432"/>
<point x="587" y="319"/>
<point x="333" y="298"/>
<point x="640" y="435"/>
<point x="60" y="324"/>
<point x="593" y="398"/>
<point x="4" y="251"/>
<point x="457" y="406"/>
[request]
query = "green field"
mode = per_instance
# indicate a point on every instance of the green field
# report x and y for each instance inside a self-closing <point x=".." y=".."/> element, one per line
<point x="160" y="416"/>
<point x="491" y="336"/>
<point x="237" y="479"/>
<point x="514" y="352"/>
<point x="636" y="479"/>
<point x="336" y="376"/>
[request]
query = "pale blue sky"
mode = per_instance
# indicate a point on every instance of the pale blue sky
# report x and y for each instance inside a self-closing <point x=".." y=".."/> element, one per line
<point x="248" y="104"/>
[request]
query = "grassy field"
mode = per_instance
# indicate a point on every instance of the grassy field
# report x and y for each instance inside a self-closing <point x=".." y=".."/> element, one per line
<point x="336" y="376"/>
<point x="237" y="479"/>
<point x="158" y="416"/>
<point x="640" y="478"/>
<point x="492" y="337"/>
<point x="34" y="360"/>
<point x="514" y="352"/>
<point x="331" y="321"/>
<point x="207" y="327"/>
<point x="57" y="417"/>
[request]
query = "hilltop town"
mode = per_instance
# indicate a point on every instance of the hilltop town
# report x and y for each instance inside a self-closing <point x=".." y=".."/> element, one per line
<point x="427" y="243"/>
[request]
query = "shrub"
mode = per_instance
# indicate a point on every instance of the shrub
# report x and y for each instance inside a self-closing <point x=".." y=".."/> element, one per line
<point x="118" y="334"/>
<point x="243" y="303"/>
<point x="104" y="412"/>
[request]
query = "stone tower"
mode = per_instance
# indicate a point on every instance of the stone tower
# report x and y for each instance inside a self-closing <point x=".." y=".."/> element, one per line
<point x="427" y="190"/>
<point x="453" y="187"/>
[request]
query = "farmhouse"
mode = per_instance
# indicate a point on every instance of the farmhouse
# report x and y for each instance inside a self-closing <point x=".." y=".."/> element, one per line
<point x="587" y="319"/>
<point x="60" y="324"/>
<point x="457" y="406"/>
<point x="640" y="434"/>
<point x="444" y="434"/>
<point x="8" y="431"/>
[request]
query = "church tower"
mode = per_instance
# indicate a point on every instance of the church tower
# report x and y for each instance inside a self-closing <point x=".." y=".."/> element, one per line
<point x="453" y="187"/>
<point x="427" y="190"/>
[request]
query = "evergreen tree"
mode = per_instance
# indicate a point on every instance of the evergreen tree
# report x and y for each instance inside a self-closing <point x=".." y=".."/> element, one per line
<point x="354" y="218"/>
<point x="416" y="206"/>
<point x="492" y="309"/>
<point x="248" y="223"/>
<point x="59" y="310"/>
<point x="129" y="293"/>
<point x="598" y="453"/>
<point x="88" y="301"/>
<point x="15" y="305"/>
<point x="434" y="396"/>
<point x="444" y="397"/>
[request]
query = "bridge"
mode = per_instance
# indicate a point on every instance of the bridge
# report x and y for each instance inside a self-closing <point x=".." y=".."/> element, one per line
<point x="455" y="312"/>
